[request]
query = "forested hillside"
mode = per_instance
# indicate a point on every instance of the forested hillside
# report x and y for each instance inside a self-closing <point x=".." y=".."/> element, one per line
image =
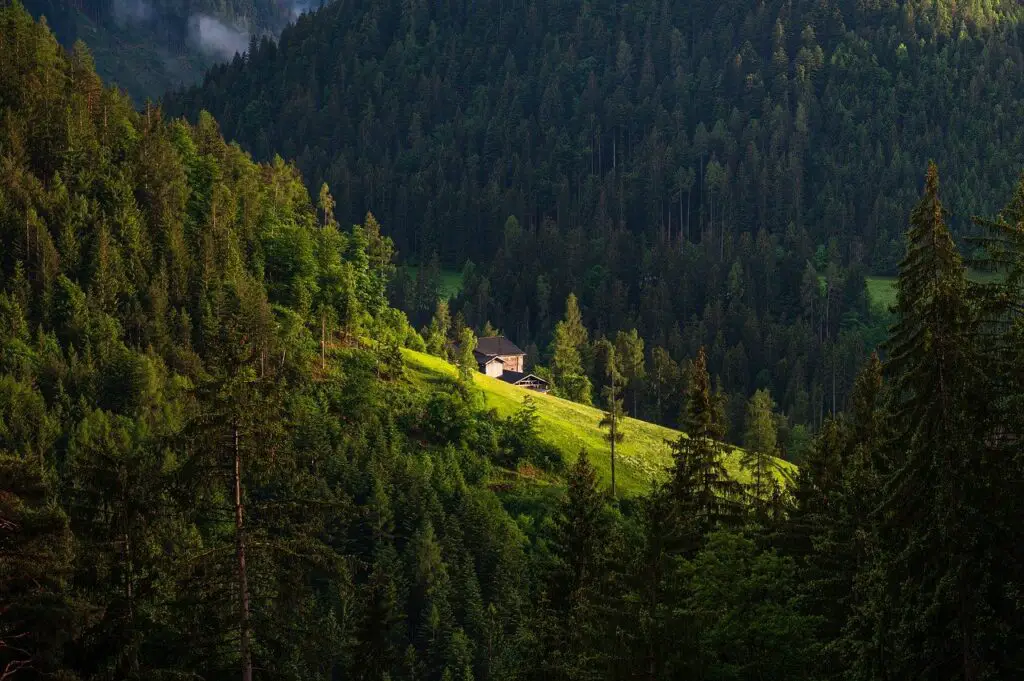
<point x="213" y="464"/>
<point x="188" y="487"/>
<point x="706" y="173"/>
<point x="667" y="119"/>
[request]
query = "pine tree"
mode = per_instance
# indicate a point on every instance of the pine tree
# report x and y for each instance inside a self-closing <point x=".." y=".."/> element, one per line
<point x="39" y="616"/>
<point x="934" y="503"/>
<point x="704" y="495"/>
<point x="665" y="377"/>
<point x="567" y="367"/>
<point x="577" y="583"/>
<point x="326" y="206"/>
<point x="629" y="350"/>
<point x="440" y="327"/>
<point x="761" y="442"/>
<point x="575" y="330"/>
<point x="235" y="445"/>
<point x="614" y="414"/>
<point x="465" y="360"/>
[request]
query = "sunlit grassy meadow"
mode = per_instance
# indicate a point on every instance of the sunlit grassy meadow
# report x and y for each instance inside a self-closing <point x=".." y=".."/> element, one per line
<point x="641" y="458"/>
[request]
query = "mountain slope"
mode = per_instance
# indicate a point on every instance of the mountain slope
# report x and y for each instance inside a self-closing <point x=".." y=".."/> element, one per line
<point x="668" y="119"/>
<point x="187" y="490"/>
<point x="641" y="458"/>
<point x="690" y="170"/>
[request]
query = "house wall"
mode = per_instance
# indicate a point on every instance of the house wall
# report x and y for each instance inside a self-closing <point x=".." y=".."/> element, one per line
<point x="513" y="362"/>
<point x="494" y="369"/>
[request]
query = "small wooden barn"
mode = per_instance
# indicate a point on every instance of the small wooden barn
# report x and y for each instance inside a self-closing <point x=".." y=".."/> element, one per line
<point x="498" y="357"/>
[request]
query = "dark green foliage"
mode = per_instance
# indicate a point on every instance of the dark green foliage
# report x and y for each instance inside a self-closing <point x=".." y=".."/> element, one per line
<point x="578" y="584"/>
<point x="465" y="360"/>
<point x="741" y="604"/>
<point x="703" y="495"/>
<point x="39" y="616"/>
<point x="520" y="440"/>
<point x="203" y="470"/>
<point x="676" y="122"/>
<point x="708" y="173"/>
<point x="614" y="414"/>
<point x="900" y="519"/>
<point x="938" y="547"/>
<point x="211" y="464"/>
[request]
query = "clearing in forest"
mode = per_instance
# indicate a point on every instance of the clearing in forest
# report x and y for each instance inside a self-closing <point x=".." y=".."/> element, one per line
<point x="642" y="457"/>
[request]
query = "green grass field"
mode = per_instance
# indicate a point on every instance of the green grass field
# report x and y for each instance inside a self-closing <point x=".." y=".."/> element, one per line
<point x="882" y="290"/>
<point x="641" y="458"/>
<point x="451" y="281"/>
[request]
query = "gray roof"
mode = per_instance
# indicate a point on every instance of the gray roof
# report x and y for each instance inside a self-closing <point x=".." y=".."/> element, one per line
<point x="514" y="377"/>
<point x="497" y="345"/>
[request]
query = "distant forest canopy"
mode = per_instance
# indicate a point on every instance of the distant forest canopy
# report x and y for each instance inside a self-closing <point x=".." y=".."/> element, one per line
<point x="708" y="173"/>
<point x="149" y="46"/>
<point x="676" y="121"/>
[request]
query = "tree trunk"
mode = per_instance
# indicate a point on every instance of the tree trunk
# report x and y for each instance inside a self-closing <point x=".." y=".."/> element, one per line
<point x="688" y="191"/>
<point x="613" y="447"/>
<point x="243" y="579"/>
<point x="680" y="237"/>
<point x="614" y="431"/>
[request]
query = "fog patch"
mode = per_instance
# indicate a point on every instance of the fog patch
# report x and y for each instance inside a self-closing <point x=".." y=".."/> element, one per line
<point x="132" y="12"/>
<point x="300" y="7"/>
<point x="216" y="38"/>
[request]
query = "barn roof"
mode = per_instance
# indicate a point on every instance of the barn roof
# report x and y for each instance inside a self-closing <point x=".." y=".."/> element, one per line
<point x="516" y="377"/>
<point x="497" y="345"/>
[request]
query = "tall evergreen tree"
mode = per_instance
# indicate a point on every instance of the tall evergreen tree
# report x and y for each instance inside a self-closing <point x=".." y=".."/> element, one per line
<point x="577" y="584"/>
<point x="39" y="615"/>
<point x="937" y="563"/>
<point x="704" y="495"/>
<point x="761" y="442"/>
<point x="614" y="414"/>
<point x="465" y="360"/>
<point x="629" y="351"/>
<point x="570" y="340"/>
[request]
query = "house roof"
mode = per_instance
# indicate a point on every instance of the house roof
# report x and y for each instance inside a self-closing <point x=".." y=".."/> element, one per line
<point x="515" y="377"/>
<point x="496" y="345"/>
<point x="484" y="360"/>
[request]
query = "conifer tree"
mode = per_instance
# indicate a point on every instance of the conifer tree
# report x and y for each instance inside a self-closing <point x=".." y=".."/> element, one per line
<point x="440" y="327"/>
<point x="38" y="614"/>
<point x="576" y="586"/>
<point x="629" y="350"/>
<point x="761" y="442"/>
<point x="934" y="500"/>
<point x="570" y="340"/>
<point x="326" y="206"/>
<point x="465" y="360"/>
<point x="665" y="377"/>
<point x="614" y="413"/>
<point x="703" y="494"/>
<point x="488" y="331"/>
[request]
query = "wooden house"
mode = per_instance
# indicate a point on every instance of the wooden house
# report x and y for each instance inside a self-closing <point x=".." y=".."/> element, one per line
<point x="498" y="357"/>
